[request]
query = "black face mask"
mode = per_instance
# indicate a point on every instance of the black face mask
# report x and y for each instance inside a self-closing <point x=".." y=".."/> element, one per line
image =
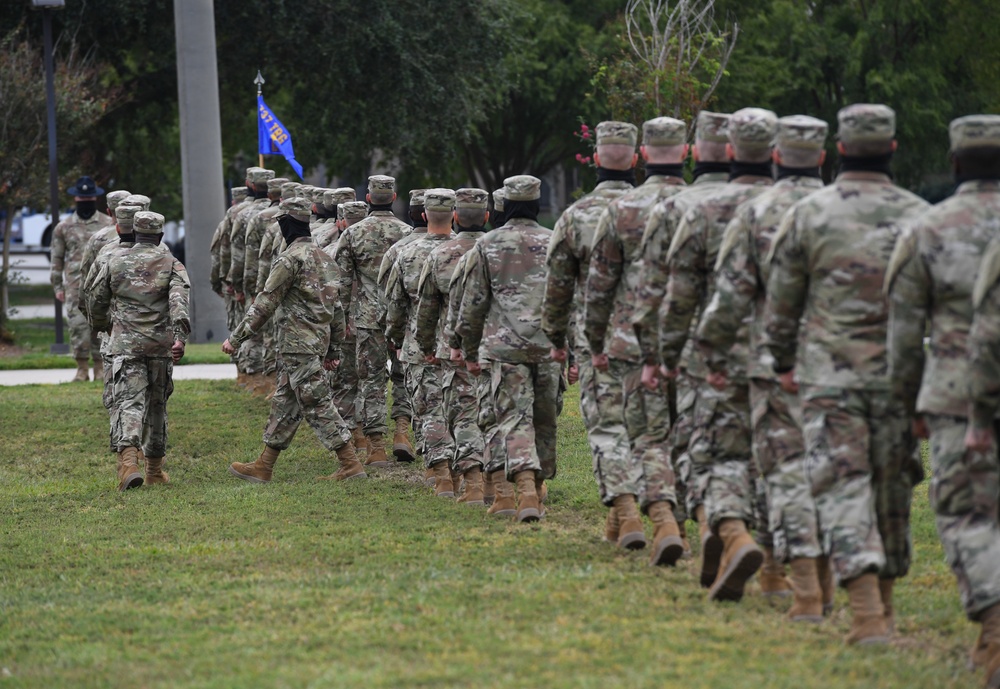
<point x="496" y="219"/>
<point x="472" y="228"/>
<point x="704" y="168"/>
<point x="153" y="239"/>
<point x="128" y="237"/>
<point x="292" y="229"/>
<point x="665" y="169"/>
<point x="785" y="172"/>
<point x="521" y="209"/>
<point x="741" y="169"/>
<point x="881" y="164"/>
<point x="372" y="207"/>
<point x="85" y="209"/>
<point x="607" y="175"/>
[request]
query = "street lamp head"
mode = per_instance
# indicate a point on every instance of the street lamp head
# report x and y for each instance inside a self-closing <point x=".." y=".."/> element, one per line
<point x="48" y="4"/>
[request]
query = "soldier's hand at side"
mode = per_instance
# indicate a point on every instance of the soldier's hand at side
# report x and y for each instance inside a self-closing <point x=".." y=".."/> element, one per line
<point x="788" y="382"/>
<point x="558" y="355"/>
<point x="718" y="380"/>
<point x="600" y="361"/>
<point x="650" y="377"/>
<point x="979" y="439"/>
<point x="239" y="297"/>
<point x="431" y="359"/>
<point x="60" y="296"/>
<point x="920" y="429"/>
<point x="228" y="348"/>
<point x="573" y="374"/>
<point x="229" y="289"/>
<point x="473" y="367"/>
<point x="456" y="355"/>
<point x="177" y="351"/>
<point x="330" y="364"/>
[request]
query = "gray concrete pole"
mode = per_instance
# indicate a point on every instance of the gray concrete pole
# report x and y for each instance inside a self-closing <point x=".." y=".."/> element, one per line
<point x="201" y="159"/>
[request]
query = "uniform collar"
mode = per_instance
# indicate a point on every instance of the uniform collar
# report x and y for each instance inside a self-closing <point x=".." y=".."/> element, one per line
<point x="975" y="186"/>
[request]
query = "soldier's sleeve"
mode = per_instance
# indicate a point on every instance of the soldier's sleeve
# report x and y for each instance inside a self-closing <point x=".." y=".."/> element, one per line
<point x="385" y="269"/>
<point x="344" y="259"/>
<point x="238" y="254"/>
<point x="428" y="308"/>
<point x="86" y="261"/>
<point x="685" y="287"/>
<point x="58" y="256"/>
<point x="180" y="302"/>
<point x="338" y="331"/>
<point x="653" y="280"/>
<point x="397" y="305"/>
<point x="736" y="286"/>
<point x="909" y="290"/>
<point x="86" y="284"/>
<point x="251" y="264"/>
<point x="786" y="293"/>
<point x="264" y="306"/>
<point x="563" y="269"/>
<point x="265" y="257"/>
<point x="475" y="305"/>
<point x="603" y="276"/>
<point x="225" y="247"/>
<point x="214" y="277"/>
<point x="456" y="289"/>
<point x="99" y="308"/>
<point x="984" y="342"/>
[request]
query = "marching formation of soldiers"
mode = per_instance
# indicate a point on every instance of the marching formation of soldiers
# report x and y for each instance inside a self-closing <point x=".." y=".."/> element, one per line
<point x="756" y="352"/>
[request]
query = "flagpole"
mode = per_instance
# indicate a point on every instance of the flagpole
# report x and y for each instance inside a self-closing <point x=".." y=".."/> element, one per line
<point x="260" y="82"/>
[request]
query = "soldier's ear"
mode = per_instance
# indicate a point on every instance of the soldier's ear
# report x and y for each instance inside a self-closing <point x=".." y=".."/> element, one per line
<point x="729" y="151"/>
<point x="635" y="159"/>
<point x="486" y="217"/>
<point x="694" y="152"/>
<point x="895" y="145"/>
<point x="597" y="159"/>
<point x="776" y="156"/>
<point x="645" y="154"/>
<point x="840" y="147"/>
<point x="822" y="158"/>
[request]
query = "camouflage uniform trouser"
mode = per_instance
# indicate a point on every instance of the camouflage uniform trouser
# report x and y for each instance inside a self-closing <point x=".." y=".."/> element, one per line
<point x="372" y="354"/>
<point x="720" y="447"/>
<point x="779" y="451"/>
<point x="524" y="399"/>
<point x="108" y="393"/>
<point x="425" y="383"/>
<point x="270" y="332"/>
<point x="344" y="382"/>
<point x="142" y="385"/>
<point x="691" y="481"/>
<point x="402" y="405"/>
<point x="494" y="455"/>
<point x="236" y="316"/>
<point x="965" y="492"/>
<point x="83" y="339"/>
<point x="461" y="406"/>
<point x="303" y="391"/>
<point x="252" y="353"/>
<point x="647" y="418"/>
<point x="861" y="468"/>
<point x="602" y="404"/>
<point x="231" y="322"/>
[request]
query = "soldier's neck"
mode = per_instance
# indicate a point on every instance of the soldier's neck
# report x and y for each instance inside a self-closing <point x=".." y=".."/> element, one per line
<point x="439" y="229"/>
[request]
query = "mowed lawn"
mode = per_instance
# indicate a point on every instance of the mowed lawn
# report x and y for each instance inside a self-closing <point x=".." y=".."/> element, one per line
<point x="212" y="582"/>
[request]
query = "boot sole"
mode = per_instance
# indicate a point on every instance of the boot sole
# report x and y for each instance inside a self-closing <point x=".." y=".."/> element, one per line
<point x="711" y="555"/>
<point x="378" y="465"/>
<point x="632" y="541"/>
<point x="474" y="503"/>
<point x="730" y="584"/>
<point x="131" y="481"/>
<point x="445" y="494"/>
<point x="249" y="479"/>
<point x="503" y="513"/>
<point x="403" y="454"/>
<point x="668" y="552"/>
<point x="529" y="514"/>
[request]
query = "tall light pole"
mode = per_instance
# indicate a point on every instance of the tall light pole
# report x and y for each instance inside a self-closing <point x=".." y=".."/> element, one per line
<point x="47" y="7"/>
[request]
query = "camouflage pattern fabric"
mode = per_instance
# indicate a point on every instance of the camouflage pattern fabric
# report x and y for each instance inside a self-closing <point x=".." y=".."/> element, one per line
<point x="494" y="452"/>
<point x="425" y="383"/>
<point x="403" y="295"/>
<point x="303" y="391"/>
<point x="372" y="353"/>
<point x="256" y="228"/>
<point x="225" y="239"/>
<point x="97" y="241"/>
<point x="984" y="342"/>
<point x="524" y="399"/>
<point x="402" y="405"/>
<point x="602" y="405"/>
<point x="435" y="293"/>
<point x="237" y="242"/>
<point x="389" y="260"/>
<point x="461" y="406"/>
<point x="647" y="420"/>
<point x="691" y="484"/>
<point x="141" y="386"/>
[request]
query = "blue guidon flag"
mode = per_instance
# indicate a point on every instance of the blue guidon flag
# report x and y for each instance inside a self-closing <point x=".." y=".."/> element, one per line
<point x="273" y="138"/>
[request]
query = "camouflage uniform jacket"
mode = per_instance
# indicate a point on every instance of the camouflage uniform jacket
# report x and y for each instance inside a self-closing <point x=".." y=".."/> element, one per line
<point x="359" y="254"/>
<point x="325" y="234"/>
<point x="255" y="235"/>
<point x="329" y="250"/>
<point x="741" y="274"/>
<point x="300" y="293"/>
<point x="143" y="293"/>
<point x="828" y="264"/>
<point x="435" y="292"/>
<point x="501" y="308"/>
<point x="456" y="292"/>
<point x="404" y="293"/>
<point x="569" y="262"/>
<point x="930" y="282"/>
<point x="69" y="241"/>
<point x="225" y="238"/>
<point x="984" y="343"/>
<point x="389" y="260"/>
<point x="691" y="258"/>
<point x="100" y="239"/>
<point x="653" y="269"/>
<point x="101" y="260"/>
<point x="271" y="246"/>
<point x="613" y="283"/>
<point x="238" y="239"/>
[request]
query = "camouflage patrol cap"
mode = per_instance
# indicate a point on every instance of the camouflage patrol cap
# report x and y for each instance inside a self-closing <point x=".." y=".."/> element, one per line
<point x="274" y="185"/>
<point x="417" y="197"/>
<point x="147" y="222"/>
<point x="290" y="189"/>
<point x="239" y="193"/>
<point x="125" y="213"/>
<point x="866" y="122"/>
<point x="251" y="170"/>
<point x="801" y="131"/>
<point x="498" y="198"/>
<point x="335" y="197"/>
<point x="712" y="126"/>
<point x="522" y="188"/>
<point x="299" y="207"/>
<point x="352" y="210"/>
<point x="260" y="176"/>
<point x="470" y="197"/>
<point x="305" y="191"/>
<point x="611" y="132"/>
<point x="439" y="199"/>
<point x="664" y="131"/>
<point x="116" y="197"/>
<point x="316" y="194"/>
<point x="752" y="128"/>
<point x="971" y="131"/>
<point x="137" y="200"/>
<point x="381" y="184"/>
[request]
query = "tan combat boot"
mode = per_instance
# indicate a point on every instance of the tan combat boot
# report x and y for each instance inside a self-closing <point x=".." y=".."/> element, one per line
<point x="773" y="582"/>
<point x="824" y="571"/>
<point x="528" y="507"/>
<point x="360" y="441"/>
<point x="129" y="475"/>
<point x="241" y="379"/>
<point x="978" y="653"/>
<point x="443" y="485"/>
<point x="376" y="452"/>
<point x="741" y="558"/>
<point x="154" y="471"/>
<point x="991" y="638"/>
<point x="631" y="535"/>
<point x="711" y="549"/>
<point x="611" y="526"/>
<point x="868" y="625"/>
<point x="503" y="505"/>
<point x="82" y="371"/>
<point x="473" y="494"/>
<point x="489" y="494"/>
<point x="541" y="490"/>
<point x="401" y="446"/>
<point x="458" y="482"/>
<point x="668" y="547"/>
<point x="430" y="477"/>
<point x="885" y="590"/>
<point x="258" y="471"/>
<point x="807" y="606"/>
<point x="98" y="368"/>
<point x="350" y="467"/>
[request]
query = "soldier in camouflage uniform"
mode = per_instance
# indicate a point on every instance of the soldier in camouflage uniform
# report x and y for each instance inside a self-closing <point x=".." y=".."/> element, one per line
<point x="500" y="320"/>
<point x="236" y="308"/>
<point x="634" y="460"/>
<point x="97" y="241"/>
<point x="359" y="254"/>
<point x="459" y="404"/>
<point x="69" y="241"/>
<point x="776" y="415"/>
<point x="301" y="294"/>
<point x="425" y="381"/>
<point x="829" y="262"/>
<point x="562" y="313"/>
<point x="931" y="281"/>
<point x="142" y="293"/>
<point x="238" y="194"/>
<point x="329" y="232"/>
<point x="710" y="171"/>
<point x="720" y="436"/>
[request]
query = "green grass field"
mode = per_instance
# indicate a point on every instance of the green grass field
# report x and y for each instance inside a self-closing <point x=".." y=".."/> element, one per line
<point x="212" y="582"/>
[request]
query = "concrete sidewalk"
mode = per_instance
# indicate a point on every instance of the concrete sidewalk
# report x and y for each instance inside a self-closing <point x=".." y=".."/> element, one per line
<point x="55" y="376"/>
<point x="23" y="313"/>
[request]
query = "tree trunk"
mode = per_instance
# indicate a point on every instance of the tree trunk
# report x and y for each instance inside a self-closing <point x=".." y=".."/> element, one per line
<point x="8" y="226"/>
